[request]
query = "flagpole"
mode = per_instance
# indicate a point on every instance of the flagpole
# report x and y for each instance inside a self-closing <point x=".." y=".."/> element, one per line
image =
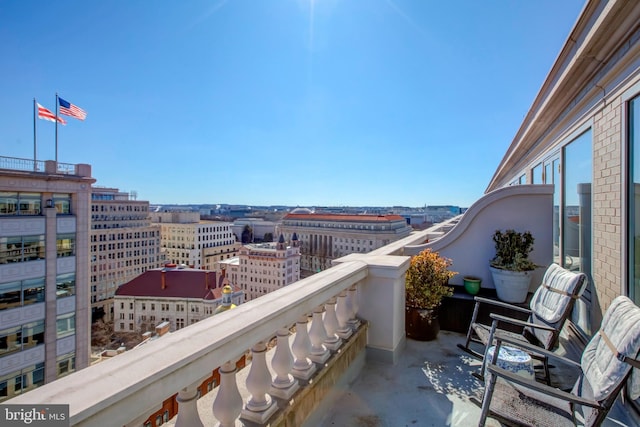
<point x="56" y="129"/>
<point x="35" y="156"/>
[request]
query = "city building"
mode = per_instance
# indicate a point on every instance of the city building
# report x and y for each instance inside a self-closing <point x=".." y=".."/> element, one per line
<point x="185" y="240"/>
<point x="44" y="272"/>
<point x="325" y="237"/>
<point x="175" y="294"/>
<point x="265" y="267"/>
<point x="123" y="245"/>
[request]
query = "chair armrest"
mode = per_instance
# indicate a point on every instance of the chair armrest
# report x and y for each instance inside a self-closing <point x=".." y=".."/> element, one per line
<point x="520" y="322"/>
<point x="541" y="387"/>
<point x="501" y="304"/>
<point x="530" y="348"/>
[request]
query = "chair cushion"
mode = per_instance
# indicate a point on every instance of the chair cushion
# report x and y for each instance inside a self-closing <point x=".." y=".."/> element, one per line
<point x="600" y="366"/>
<point x="551" y="306"/>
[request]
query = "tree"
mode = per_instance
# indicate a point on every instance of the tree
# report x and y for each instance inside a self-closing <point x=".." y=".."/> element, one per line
<point x="268" y="237"/>
<point x="247" y="235"/>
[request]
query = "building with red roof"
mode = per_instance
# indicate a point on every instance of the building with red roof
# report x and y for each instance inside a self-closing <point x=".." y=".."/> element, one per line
<point x="175" y="294"/>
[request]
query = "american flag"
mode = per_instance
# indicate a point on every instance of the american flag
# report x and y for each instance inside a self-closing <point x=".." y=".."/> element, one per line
<point x="46" y="114"/>
<point x="69" y="109"/>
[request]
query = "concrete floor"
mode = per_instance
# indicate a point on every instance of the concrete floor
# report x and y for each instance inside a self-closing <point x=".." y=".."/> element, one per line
<point x="431" y="385"/>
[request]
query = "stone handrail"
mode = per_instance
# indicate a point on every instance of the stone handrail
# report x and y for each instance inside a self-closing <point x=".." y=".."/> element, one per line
<point x="120" y="390"/>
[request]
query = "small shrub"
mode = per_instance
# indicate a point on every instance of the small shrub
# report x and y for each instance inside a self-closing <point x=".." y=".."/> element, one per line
<point x="427" y="279"/>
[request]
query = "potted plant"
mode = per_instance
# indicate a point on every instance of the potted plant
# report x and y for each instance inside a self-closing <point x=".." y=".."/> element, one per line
<point x="426" y="284"/>
<point x="511" y="267"/>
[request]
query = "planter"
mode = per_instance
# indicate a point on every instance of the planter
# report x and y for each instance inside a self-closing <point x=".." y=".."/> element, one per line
<point x="421" y="324"/>
<point x="472" y="284"/>
<point x="511" y="286"/>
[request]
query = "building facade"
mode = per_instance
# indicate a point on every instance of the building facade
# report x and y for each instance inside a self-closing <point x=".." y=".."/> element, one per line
<point x="582" y="136"/>
<point x="324" y="237"/>
<point x="44" y="272"/>
<point x="123" y="245"/>
<point x="178" y="295"/>
<point x="265" y="267"/>
<point x="185" y="240"/>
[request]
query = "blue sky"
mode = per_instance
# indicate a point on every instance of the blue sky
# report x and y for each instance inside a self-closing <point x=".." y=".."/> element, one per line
<point x="296" y="102"/>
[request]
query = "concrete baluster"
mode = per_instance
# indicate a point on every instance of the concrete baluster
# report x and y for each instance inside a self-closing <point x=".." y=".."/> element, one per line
<point x="317" y="335"/>
<point x="352" y="297"/>
<point x="283" y="385"/>
<point x="260" y="406"/>
<point x="302" y="366"/>
<point x="343" y="312"/>
<point x="188" y="407"/>
<point x="331" y="325"/>
<point x="228" y="403"/>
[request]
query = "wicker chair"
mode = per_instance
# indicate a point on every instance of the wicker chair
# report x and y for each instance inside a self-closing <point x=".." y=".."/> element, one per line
<point x="606" y="364"/>
<point x="550" y="307"/>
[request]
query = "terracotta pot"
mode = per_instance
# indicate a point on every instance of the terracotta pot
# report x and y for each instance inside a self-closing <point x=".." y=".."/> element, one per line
<point x="421" y="324"/>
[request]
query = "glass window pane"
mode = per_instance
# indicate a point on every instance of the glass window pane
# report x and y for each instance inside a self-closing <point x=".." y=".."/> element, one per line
<point x="66" y="245"/>
<point x="10" y="340"/>
<point x="634" y="199"/>
<point x="29" y="203"/>
<point x="10" y="295"/>
<point x="33" y="291"/>
<point x="65" y="285"/>
<point x="8" y="203"/>
<point x="62" y="203"/>
<point x="536" y="174"/>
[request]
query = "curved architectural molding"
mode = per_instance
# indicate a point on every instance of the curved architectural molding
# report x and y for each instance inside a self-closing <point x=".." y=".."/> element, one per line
<point x="469" y="243"/>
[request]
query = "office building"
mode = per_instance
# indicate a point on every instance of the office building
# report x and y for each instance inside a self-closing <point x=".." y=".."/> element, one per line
<point x="124" y="244"/>
<point x="44" y="272"/>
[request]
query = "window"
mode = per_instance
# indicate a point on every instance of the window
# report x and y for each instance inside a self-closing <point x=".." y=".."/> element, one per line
<point x="66" y="364"/>
<point x="66" y="245"/>
<point x="32" y="334"/>
<point x="10" y="295"/>
<point x="62" y="203"/>
<point x="536" y="174"/>
<point x="10" y="340"/>
<point x="21" y="248"/>
<point x="66" y="325"/>
<point x="20" y="203"/>
<point x="65" y="285"/>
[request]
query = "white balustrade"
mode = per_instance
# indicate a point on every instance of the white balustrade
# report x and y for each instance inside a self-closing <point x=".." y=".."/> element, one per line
<point x="303" y="368"/>
<point x="228" y="403"/>
<point x="317" y="335"/>
<point x="343" y="312"/>
<point x="283" y="384"/>
<point x="188" y="407"/>
<point x="260" y="406"/>
<point x="333" y="341"/>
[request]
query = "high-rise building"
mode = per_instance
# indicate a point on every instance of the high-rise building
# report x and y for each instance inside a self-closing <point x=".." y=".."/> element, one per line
<point x="186" y="240"/>
<point x="324" y="237"/>
<point x="265" y="267"/>
<point x="44" y="272"/>
<point x="124" y="244"/>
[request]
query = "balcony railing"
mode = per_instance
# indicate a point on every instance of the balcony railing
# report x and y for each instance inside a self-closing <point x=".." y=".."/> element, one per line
<point x="44" y="166"/>
<point x="325" y="309"/>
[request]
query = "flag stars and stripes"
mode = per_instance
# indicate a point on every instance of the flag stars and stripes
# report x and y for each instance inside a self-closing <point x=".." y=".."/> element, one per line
<point x="68" y="109"/>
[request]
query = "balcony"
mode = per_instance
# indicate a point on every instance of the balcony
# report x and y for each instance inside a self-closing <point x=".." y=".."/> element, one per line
<point x="348" y="362"/>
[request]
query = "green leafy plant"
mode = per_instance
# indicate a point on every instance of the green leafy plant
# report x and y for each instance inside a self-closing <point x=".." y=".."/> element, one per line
<point x="512" y="250"/>
<point x="427" y="279"/>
